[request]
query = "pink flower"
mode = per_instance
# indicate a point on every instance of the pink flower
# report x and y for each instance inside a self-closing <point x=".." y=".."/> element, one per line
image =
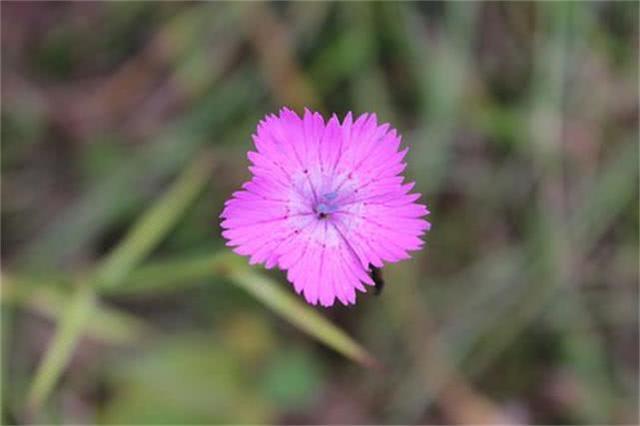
<point x="325" y="202"/>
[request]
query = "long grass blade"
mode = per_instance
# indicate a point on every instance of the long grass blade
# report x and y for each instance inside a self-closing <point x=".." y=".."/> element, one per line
<point x="155" y="224"/>
<point x="171" y="274"/>
<point x="106" y="324"/>
<point x="138" y="243"/>
<point x="64" y="341"/>
<point x="302" y="316"/>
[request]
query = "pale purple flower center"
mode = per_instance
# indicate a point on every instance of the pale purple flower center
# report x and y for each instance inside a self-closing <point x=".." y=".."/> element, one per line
<point x="326" y="205"/>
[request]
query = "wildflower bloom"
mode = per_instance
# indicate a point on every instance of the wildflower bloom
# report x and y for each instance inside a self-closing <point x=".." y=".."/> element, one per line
<point x="325" y="202"/>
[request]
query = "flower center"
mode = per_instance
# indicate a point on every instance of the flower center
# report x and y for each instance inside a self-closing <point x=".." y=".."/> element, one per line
<point x="325" y="205"/>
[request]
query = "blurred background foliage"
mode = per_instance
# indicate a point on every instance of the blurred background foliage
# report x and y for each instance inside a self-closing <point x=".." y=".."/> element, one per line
<point x="125" y="126"/>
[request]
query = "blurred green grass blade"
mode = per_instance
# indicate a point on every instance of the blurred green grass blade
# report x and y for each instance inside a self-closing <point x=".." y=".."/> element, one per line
<point x="105" y="324"/>
<point x="302" y="316"/>
<point x="442" y="72"/>
<point x="370" y="91"/>
<point x="173" y="274"/>
<point x="64" y="341"/>
<point x="155" y="223"/>
<point x="607" y="196"/>
<point x="144" y="236"/>
<point x="586" y="226"/>
<point x="521" y="300"/>
<point x="105" y="202"/>
<point x="7" y="333"/>
<point x="340" y="58"/>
